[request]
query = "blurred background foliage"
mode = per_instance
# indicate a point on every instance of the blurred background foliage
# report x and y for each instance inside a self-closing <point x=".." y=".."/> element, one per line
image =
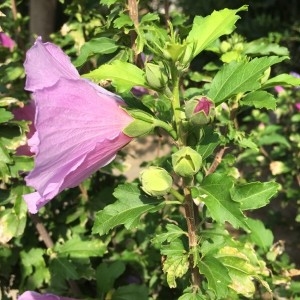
<point x="28" y="261"/>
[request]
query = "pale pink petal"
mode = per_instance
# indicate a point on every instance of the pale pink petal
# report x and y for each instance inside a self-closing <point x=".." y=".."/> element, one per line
<point x="79" y="131"/>
<point x="29" y="295"/>
<point x="45" y="64"/>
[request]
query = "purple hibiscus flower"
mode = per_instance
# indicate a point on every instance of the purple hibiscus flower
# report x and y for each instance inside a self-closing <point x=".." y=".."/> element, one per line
<point x="6" y="41"/>
<point x="29" y="295"/>
<point x="78" y="124"/>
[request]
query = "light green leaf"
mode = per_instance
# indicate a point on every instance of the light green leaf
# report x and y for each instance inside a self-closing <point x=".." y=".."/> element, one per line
<point x="208" y="143"/>
<point x="129" y="208"/>
<point x="173" y="232"/>
<point x="282" y="80"/>
<point x="5" y="115"/>
<point x="260" y="235"/>
<point x="123" y="75"/>
<point x="260" y="47"/>
<point x="214" y="192"/>
<point x="108" y="2"/>
<point x="208" y="29"/>
<point x="254" y="195"/>
<point x="216" y="275"/>
<point x="122" y="21"/>
<point x="4" y="155"/>
<point x="240" y="77"/>
<point x="259" y="99"/>
<point x="100" y="45"/>
<point x="76" y="247"/>
<point x="176" y="263"/>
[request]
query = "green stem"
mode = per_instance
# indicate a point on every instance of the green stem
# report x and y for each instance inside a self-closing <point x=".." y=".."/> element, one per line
<point x="167" y="127"/>
<point x="177" y="195"/>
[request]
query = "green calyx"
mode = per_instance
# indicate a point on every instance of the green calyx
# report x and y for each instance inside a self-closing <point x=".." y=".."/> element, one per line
<point x="186" y="162"/>
<point x="156" y="181"/>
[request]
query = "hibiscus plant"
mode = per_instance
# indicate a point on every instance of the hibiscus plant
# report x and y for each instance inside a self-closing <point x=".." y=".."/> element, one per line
<point x="184" y="223"/>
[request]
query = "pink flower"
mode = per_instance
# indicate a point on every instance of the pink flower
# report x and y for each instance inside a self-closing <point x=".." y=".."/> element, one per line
<point x="297" y="105"/>
<point x="6" y="41"/>
<point x="26" y="113"/>
<point x="279" y="89"/>
<point x="78" y="124"/>
<point x="36" y="296"/>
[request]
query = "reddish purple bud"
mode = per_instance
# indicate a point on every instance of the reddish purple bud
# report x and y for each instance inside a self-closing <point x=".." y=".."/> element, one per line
<point x="6" y="41"/>
<point x="200" y="110"/>
<point x="297" y="105"/>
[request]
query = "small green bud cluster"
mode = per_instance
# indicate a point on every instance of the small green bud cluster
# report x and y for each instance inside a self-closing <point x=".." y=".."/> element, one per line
<point x="156" y="181"/>
<point x="186" y="162"/>
<point x="200" y="110"/>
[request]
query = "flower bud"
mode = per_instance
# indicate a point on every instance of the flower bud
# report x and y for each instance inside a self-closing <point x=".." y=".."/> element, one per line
<point x="186" y="162"/>
<point x="225" y="46"/>
<point x="155" y="76"/>
<point x="156" y="181"/>
<point x="200" y="110"/>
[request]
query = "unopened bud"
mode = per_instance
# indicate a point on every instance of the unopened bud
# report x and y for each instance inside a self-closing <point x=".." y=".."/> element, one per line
<point x="156" y="181"/>
<point x="186" y="162"/>
<point x="155" y="76"/>
<point x="200" y="110"/>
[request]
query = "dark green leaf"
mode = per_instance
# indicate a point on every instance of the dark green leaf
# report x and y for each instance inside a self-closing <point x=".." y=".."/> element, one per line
<point x="128" y="210"/>
<point x="100" y="45"/>
<point x="259" y="99"/>
<point x="173" y="232"/>
<point x="214" y="192"/>
<point x="254" y="195"/>
<point x="240" y="77"/>
<point x="131" y="292"/>
<point x="216" y="275"/>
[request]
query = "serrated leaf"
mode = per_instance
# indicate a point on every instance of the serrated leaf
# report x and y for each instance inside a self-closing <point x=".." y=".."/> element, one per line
<point x="4" y="155"/>
<point x="107" y="273"/>
<point x="122" y="21"/>
<point x="173" y="232"/>
<point x="260" y="235"/>
<point x="260" y="47"/>
<point x="123" y="75"/>
<point x="100" y="45"/>
<point x="61" y="269"/>
<point x="77" y="247"/>
<point x="192" y="296"/>
<point x="254" y="194"/>
<point x="240" y="77"/>
<point x="206" y="30"/>
<point x="108" y="2"/>
<point x="282" y="80"/>
<point x="149" y="17"/>
<point x="214" y="192"/>
<point x="216" y="275"/>
<point x="127" y="211"/>
<point x="5" y="115"/>
<point x="177" y="262"/>
<point x="259" y="99"/>
<point x="208" y="143"/>
<point x="131" y="292"/>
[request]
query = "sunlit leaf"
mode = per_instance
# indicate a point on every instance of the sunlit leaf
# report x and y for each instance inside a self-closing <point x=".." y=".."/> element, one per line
<point x="259" y="99"/>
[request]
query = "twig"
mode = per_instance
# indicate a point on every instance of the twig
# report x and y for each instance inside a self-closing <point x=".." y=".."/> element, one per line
<point x="216" y="161"/>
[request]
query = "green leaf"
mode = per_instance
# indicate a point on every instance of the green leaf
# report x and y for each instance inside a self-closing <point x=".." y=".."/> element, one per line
<point x="260" y="48"/>
<point x="106" y="274"/>
<point x="177" y="262"/>
<point x="4" y="155"/>
<point x="216" y="275"/>
<point x="62" y="268"/>
<point x="254" y="195"/>
<point x="173" y="233"/>
<point x="214" y="192"/>
<point x="5" y="115"/>
<point x="259" y="99"/>
<point x="131" y="292"/>
<point x="260" y="235"/>
<point x="123" y="75"/>
<point x="108" y="2"/>
<point x="100" y="45"/>
<point x="240" y="77"/>
<point x="128" y="210"/>
<point x="122" y="21"/>
<point x="282" y="80"/>
<point x="208" y="29"/>
<point x="76" y="247"/>
<point x="208" y="143"/>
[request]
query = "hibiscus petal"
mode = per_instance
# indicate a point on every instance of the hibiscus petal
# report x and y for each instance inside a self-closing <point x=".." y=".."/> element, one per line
<point x="45" y="64"/>
<point x="29" y="295"/>
<point x="79" y="131"/>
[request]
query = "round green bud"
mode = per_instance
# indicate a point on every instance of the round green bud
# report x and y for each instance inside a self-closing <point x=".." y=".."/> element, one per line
<point x="156" y="181"/>
<point x="186" y="162"/>
<point x="225" y="46"/>
<point x="155" y="76"/>
<point x="200" y="110"/>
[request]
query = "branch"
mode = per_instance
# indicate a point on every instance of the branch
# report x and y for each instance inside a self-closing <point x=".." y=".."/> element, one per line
<point x="216" y="161"/>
